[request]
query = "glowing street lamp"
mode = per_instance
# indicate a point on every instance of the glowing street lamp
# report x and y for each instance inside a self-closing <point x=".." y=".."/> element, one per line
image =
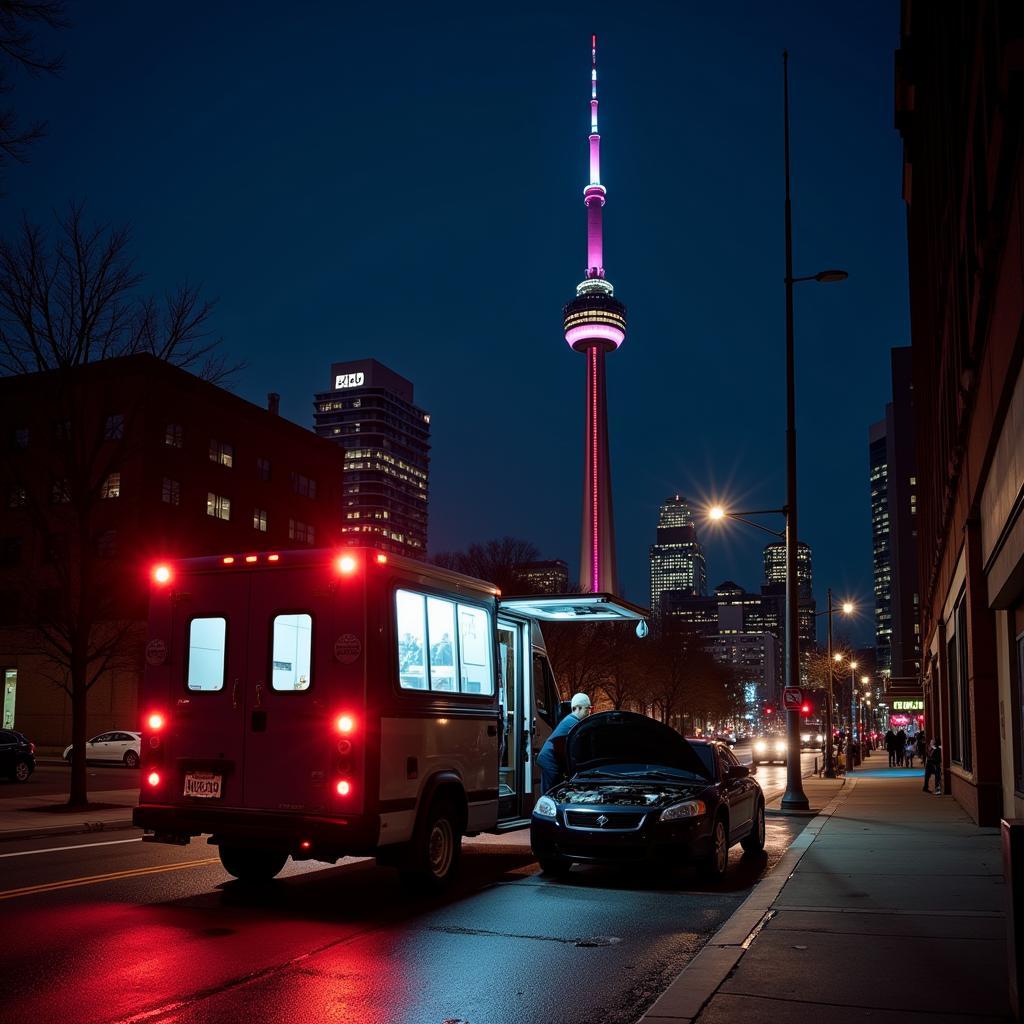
<point x="848" y="608"/>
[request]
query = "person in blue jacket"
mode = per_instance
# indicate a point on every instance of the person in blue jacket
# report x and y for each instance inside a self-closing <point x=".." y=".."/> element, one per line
<point x="551" y="771"/>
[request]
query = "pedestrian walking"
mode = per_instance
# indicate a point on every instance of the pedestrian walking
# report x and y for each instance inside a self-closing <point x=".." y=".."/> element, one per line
<point x="922" y="745"/>
<point x="909" y="752"/>
<point x="890" y="747"/>
<point x="933" y="766"/>
<point x="901" y="748"/>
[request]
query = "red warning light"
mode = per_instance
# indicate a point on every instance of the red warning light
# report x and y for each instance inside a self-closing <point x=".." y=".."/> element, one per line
<point x="250" y="558"/>
<point x="273" y="558"/>
<point x="155" y="721"/>
<point x="344" y="787"/>
<point x="162" y="574"/>
<point x="228" y="559"/>
<point x="769" y="710"/>
<point x="382" y="559"/>
<point x="153" y="778"/>
<point x="305" y="844"/>
<point x="805" y="708"/>
<point x="346" y="723"/>
<point x="346" y="565"/>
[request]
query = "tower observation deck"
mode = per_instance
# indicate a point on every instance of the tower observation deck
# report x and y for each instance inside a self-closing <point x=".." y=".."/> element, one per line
<point x="595" y="324"/>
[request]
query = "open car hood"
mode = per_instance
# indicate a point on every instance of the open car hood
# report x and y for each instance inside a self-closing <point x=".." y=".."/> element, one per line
<point x="620" y="737"/>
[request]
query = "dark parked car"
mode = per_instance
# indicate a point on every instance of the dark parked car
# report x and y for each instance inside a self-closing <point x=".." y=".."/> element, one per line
<point x="17" y="755"/>
<point x="638" y="791"/>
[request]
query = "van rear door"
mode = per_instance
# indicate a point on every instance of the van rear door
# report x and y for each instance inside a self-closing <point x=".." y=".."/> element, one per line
<point x="207" y="682"/>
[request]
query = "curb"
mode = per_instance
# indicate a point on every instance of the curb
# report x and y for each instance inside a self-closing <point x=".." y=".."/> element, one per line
<point x="82" y="827"/>
<point x="684" y="999"/>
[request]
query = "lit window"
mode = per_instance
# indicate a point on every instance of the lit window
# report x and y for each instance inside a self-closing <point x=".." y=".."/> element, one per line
<point x="206" y="649"/>
<point x="222" y="453"/>
<point x="174" y="436"/>
<point x="111" y="486"/>
<point x="170" y="493"/>
<point x="259" y="519"/>
<point x="218" y="506"/>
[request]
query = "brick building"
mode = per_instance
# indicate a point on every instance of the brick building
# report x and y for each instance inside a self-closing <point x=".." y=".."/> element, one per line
<point x="130" y="461"/>
<point x="960" y="111"/>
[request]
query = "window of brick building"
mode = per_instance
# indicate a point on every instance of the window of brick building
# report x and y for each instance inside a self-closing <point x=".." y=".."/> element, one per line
<point x="111" y="486"/>
<point x="17" y="496"/>
<point x="174" y="435"/>
<point x="259" y="519"/>
<point x="113" y="429"/>
<point x="170" y="493"/>
<point x="60" y="493"/>
<point x="218" y="506"/>
<point x="303" y="485"/>
<point x="304" y="533"/>
<point x="263" y="468"/>
<point x="222" y="452"/>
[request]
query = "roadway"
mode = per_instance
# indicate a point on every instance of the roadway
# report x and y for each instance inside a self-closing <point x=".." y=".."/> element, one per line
<point x="111" y="930"/>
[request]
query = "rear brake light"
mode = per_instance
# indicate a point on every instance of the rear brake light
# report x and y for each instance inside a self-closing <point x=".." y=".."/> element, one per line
<point x="346" y="565"/>
<point x="155" y="722"/>
<point x="153" y="778"/>
<point x="31" y="747"/>
<point x="162" y="574"/>
<point x="344" y="787"/>
<point x="346" y="723"/>
<point x="382" y="559"/>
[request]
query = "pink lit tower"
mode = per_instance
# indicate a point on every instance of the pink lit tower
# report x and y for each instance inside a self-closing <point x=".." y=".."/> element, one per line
<point x="595" y="324"/>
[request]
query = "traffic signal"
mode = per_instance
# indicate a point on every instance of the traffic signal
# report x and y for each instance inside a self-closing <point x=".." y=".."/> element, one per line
<point x="805" y="708"/>
<point x="769" y="709"/>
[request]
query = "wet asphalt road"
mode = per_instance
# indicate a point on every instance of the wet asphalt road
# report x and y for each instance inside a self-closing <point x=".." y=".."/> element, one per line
<point x="113" y="930"/>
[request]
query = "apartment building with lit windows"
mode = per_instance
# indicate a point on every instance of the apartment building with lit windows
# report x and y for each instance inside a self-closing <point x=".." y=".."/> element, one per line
<point x="677" y="558"/>
<point x="370" y="414"/>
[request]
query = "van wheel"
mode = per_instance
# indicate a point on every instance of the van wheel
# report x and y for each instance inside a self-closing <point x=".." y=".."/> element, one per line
<point x="131" y="759"/>
<point x="249" y="865"/>
<point x="436" y="847"/>
<point x="753" y="842"/>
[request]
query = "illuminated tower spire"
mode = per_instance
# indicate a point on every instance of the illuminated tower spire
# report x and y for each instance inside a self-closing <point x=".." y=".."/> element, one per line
<point x="595" y="324"/>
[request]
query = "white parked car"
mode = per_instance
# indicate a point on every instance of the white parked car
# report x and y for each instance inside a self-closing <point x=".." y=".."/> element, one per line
<point x="118" y="745"/>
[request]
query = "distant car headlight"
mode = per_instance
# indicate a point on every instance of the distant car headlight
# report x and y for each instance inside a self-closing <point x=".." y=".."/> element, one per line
<point x="805" y="737"/>
<point x="546" y="808"/>
<point x="686" y="809"/>
<point x="819" y="738"/>
<point x="780" y="748"/>
<point x="760" y="746"/>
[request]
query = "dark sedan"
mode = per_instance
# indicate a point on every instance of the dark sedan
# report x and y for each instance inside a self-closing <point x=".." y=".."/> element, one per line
<point x="17" y="755"/>
<point x="639" y="792"/>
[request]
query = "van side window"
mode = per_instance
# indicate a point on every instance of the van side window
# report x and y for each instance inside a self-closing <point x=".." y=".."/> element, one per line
<point x="437" y="636"/>
<point x="545" y="690"/>
<point x="206" y="647"/>
<point x="412" y="633"/>
<point x="475" y="650"/>
<point x="441" y="630"/>
<point x="293" y="645"/>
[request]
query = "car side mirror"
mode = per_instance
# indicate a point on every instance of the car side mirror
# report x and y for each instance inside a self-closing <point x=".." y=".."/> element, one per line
<point x="739" y="771"/>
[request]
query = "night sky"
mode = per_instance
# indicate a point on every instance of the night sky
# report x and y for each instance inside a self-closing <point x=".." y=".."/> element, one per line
<point x="404" y="181"/>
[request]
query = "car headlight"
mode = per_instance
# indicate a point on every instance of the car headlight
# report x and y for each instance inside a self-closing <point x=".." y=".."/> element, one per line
<point x="805" y="737"/>
<point x="760" y="746"/>
<point x="546" y="808"/>
<point x="780" y="748"/>
<point x="819" y="738"/>
<point x="686" y="809"/>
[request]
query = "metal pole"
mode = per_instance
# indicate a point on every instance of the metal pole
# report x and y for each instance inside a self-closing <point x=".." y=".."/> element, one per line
<point x="795" y="798"/>
<point x="830" y="768"/>
<point x="853" y="713"/>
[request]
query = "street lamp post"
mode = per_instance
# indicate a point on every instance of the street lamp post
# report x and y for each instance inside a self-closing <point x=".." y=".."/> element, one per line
<point x="830" y="765"/>
<point x="795" y="798"/>
<point x="853" y="712"/>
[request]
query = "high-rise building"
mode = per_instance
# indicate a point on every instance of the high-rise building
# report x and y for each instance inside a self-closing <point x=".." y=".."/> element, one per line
<point x="770" y="613"/>
<point x="677" y="559"/>
<point x="960" y="111"/>
<point x="595" y="324"/>
<point x="369" y="412"/>
<point x="775" y="569"/>
<point x="549" y="577"/>
<point x="878" y="462"/>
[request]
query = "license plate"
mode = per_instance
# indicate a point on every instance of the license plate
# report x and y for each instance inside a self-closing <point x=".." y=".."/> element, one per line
<point x="203" y="784"/>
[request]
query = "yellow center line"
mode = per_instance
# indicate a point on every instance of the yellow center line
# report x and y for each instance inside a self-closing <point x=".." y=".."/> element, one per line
<point x="71" y="883"/>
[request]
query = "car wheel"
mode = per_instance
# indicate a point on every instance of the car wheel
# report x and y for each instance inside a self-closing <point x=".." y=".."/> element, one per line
<point x="717" y="860"/>
<point x="22" y="770"/>
<point x="435" y="849"/>
<point x="554" y="865"/>
<point x="131" y="759"/>
<point x="251" y="865"/>
<point x="754" y="842"/>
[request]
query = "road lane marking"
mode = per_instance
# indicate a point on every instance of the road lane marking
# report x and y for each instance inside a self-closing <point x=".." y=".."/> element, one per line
<point x="80" y="846"/>
<point x="113" y="876"/>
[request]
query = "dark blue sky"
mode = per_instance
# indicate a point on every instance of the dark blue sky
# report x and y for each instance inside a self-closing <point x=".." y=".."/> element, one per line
<point x="404" y="181"/>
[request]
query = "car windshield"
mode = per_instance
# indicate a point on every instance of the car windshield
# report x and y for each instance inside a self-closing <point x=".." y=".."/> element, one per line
<point x="638" y="771"/>
<point x="707" y="757"/>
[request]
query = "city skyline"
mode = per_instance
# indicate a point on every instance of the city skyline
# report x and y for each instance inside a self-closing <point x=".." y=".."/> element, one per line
<point x="423" y="260"/>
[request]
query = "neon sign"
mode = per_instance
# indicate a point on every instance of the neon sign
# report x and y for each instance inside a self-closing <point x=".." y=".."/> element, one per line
<point x="349" y="380"/>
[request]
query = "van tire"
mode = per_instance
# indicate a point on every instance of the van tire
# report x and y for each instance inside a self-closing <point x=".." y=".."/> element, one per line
<point x="435" y="848"/>
<point x="249" y="865"/>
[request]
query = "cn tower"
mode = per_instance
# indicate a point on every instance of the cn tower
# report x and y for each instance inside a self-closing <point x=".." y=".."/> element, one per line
<point x="595" y="324"/>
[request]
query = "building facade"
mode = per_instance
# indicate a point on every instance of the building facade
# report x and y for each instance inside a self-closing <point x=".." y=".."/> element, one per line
<point x="677" y="559"/>
<point x="370" y="414"/>
<point x="881" y="565"/>
<point x="174" y="467"/>
<point x="960" y="112"/>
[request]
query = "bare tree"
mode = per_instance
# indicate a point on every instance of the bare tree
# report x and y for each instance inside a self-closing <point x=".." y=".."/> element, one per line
<point x="19" y="22"/>
<point x="495" y="561"/>
<point x="65" y="305"/>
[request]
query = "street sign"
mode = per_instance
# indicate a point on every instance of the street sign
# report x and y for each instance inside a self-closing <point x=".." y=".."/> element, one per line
<point x="792" y="698"/>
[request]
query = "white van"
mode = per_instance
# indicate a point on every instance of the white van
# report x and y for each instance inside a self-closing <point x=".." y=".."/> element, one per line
<point x="322" y="704"/>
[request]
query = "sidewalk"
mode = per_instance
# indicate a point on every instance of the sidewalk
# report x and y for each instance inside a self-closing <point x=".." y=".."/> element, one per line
<point x="888" y="907"/>
<point x="19" y="819"/>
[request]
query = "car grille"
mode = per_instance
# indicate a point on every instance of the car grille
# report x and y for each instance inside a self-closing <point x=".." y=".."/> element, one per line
<point x="605" y="821"/>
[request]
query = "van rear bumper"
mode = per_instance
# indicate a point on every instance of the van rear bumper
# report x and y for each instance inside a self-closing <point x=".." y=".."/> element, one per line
<point x="353" y="834"/>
